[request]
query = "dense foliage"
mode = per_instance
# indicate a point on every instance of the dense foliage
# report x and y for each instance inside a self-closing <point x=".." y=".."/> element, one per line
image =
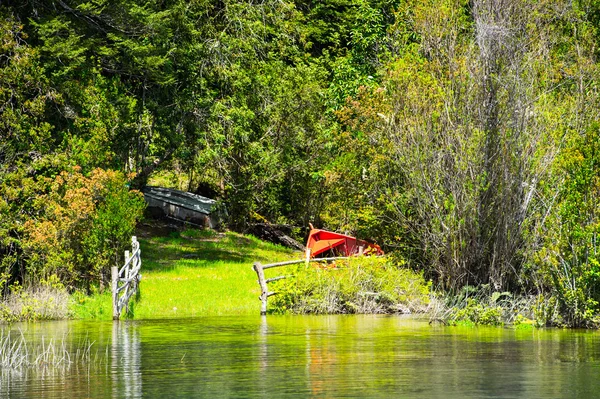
<point x="462" y="134"/>
<point x="358" y="285"/>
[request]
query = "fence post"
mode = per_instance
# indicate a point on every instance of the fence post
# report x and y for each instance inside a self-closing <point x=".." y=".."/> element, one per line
<point x="126" y="271"/>
<point x="137" y="262"/>
<point x="307" y="262"/>
<point x="263" y="287"/>
<point x="115" y="299"/>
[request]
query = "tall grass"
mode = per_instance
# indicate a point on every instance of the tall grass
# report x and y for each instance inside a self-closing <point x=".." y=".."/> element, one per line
<point x="41" y="302"/>
<point x="358" y="285"/>
<point x="17" y="354"/>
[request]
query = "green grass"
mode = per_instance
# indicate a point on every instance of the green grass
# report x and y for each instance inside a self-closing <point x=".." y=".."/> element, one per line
<point x="194" y="273"/>
<point x="95" y="306"/>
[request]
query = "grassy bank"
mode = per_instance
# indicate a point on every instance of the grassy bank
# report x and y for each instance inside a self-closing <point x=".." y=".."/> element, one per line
<point x="204" y="273"/>
<point x="193" y="273"/>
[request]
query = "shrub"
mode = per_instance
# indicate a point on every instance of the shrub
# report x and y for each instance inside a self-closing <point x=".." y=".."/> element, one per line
<point x="481" y="305"/>
<point x="84" y="224"/>
<point x="568" y="259"/>
<point x="44" y="301"/>
<point x="478" y="313"/>
<point x="357" y="285"/>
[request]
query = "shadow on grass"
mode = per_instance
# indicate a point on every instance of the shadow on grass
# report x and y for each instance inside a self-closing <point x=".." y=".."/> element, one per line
<point x="161" y="252"/>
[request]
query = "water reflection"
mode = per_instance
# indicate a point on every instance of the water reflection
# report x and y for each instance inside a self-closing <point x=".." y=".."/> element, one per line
<point x="291" y="357"/>
<point x="74" y="359"/>
<point x="126" y="355"/>
<point x="379" y="357"/>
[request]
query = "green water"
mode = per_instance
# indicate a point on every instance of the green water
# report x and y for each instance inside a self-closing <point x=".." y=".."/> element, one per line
<point x="290" y="357"/>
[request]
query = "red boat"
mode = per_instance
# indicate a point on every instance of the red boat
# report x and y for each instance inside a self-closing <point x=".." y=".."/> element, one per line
<point x="320" y="241"/>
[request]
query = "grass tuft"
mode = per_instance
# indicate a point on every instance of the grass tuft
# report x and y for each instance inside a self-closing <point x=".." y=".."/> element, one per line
<point x="16" y="354"/>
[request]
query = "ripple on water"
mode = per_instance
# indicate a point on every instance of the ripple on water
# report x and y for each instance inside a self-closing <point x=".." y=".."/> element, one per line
<point x="306" y="356"/>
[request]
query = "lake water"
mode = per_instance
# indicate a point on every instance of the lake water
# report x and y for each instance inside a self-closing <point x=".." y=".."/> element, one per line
<point x="299" y="357"/>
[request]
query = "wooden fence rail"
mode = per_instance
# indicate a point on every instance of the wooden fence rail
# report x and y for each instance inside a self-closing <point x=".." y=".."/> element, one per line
<point x="125" y="281"/>
<point x="262" y="281"/>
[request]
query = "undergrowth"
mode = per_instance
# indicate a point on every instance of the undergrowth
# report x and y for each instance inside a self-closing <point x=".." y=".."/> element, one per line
<point x="483" y="306"/>
<point x="39" y="302"/>
<point x="358" y="285"/>
<point x="97" y="305"/>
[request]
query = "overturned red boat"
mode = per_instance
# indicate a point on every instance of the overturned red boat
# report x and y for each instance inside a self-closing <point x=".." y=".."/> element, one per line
<point x="320" y="241"/>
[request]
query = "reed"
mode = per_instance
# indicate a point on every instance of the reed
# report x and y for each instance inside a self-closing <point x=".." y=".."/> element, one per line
<point x="18" y="354"/>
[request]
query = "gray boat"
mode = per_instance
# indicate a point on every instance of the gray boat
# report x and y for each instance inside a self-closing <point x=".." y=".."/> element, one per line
<point x="184" y="206"/>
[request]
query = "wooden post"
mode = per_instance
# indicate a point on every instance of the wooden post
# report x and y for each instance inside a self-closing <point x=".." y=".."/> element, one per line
<point x="307" y="258"/>
<point x="264" y="294"/>
<point x="127" y="256"/>
<point x="135" y="245"/>
<point x="115" y="299"/>
<point x="131" y="277"/>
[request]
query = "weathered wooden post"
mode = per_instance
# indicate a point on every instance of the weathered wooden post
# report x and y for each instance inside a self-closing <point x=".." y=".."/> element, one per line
<point x="114" y="271"/>
<point x="264" y="294"/>
<point x="307" y="261"/>
<point x="137" y="262"/>
<point x="134" y="243"/>
<point x="128" y="268"/>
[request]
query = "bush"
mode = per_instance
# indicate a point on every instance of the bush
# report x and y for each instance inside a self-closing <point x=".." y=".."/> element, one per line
<point x="357" y="285"/>
<point x="84" y="224"/>
<point x="41" y="302"/>
<point x="568" y="259"/>
<point x="482" y="306"/>
<point x="478" y="313"/>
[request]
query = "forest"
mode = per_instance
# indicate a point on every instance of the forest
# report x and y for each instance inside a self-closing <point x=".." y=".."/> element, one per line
<point x="463" y="136"/>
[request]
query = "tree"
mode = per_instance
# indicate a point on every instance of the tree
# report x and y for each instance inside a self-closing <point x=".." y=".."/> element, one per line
<point x="467" y="114"/>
